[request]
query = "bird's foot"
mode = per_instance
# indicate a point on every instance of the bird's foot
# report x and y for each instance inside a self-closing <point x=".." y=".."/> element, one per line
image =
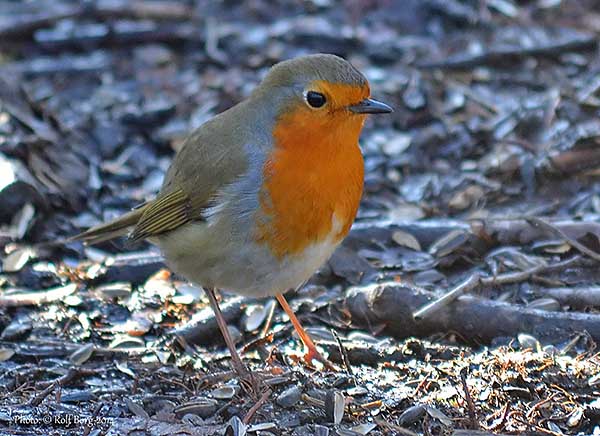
<point x="252" y="383"/>
<point x="312" y="354"/>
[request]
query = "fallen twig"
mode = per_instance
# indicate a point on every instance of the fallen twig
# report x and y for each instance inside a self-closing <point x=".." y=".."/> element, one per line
<point x="37" y="400"/>
<point x="396" y="428"/>
<point x="72" y="374"/>
<point x="571" y="241"/>
<point x="470" y="283"/>
<point x="571" y="161"/>
<point x="344" y="355"/>
<point x="37" y="297"/>
<point x="576" y="298"/>
<point x="470" y="404"/>
<point x="475" y="280"/>
<point x="512" y="277"/>
<point x="262" y="400"/>
<point x="475" y="319"/>
<point x="499" y="55"/>
<point x="19" y="25"/>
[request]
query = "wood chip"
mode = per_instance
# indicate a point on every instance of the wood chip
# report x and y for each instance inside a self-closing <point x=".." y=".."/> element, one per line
<point x="405" y="239"/>
<point x="26" y="298"/>
<point x="82" y="354"/>
<point x="6" y="354"/>
<point x="17" y="259"/>
<point x="136" y="409"/>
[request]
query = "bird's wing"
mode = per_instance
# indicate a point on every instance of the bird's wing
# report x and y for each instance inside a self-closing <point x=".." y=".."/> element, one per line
<point x="166" y="212"/>
<point x="211" y="158"/>
<point x="112" y="229"/>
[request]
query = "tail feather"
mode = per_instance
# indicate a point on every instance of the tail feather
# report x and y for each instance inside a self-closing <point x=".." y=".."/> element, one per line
<point x="112" y="229"/>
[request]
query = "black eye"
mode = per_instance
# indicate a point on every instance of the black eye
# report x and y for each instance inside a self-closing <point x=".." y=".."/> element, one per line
<point x="315" y="99"/>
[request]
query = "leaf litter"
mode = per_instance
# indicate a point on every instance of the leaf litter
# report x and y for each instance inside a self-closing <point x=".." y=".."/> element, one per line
<point x="480" y="216"/>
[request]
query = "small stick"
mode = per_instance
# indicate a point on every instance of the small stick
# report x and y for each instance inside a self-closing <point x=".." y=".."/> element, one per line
<point x="262" y="400"/>
<point x="88" y="427"/>
<point x="447" y="298"/>
<point x="216" y="377"/>
<point x="475" y="280"/>
<point x="512" y="277"/>
<point x="268" y="321"/>
<point x="38" y="297"/>
<point x="498" y="425"/>
<point x="175" y="383"/>
<point x="470" y="404"/>
<point x="37" y="400"/>
<point x="313" y="401"/>
<point x="571" y="241"/>
<point x="396" y="428"/>
<point x="344" y="354"/>
<point x="72" y="374"/>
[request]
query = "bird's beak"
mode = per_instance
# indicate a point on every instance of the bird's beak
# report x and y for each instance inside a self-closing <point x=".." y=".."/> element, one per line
<point x="370" y="106"/>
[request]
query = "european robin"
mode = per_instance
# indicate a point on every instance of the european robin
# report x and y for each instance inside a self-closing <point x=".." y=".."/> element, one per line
<point x="260" y="196"/>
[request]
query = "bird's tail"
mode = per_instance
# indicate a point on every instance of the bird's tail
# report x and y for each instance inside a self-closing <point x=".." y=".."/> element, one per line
<point x="118" y="227"/>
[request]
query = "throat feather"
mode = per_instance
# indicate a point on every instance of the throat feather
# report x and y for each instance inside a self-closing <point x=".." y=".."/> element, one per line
<point x="311" y="190"/>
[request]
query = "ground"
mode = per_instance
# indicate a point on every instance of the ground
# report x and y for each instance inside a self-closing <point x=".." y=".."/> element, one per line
<point x="465" y="300"/>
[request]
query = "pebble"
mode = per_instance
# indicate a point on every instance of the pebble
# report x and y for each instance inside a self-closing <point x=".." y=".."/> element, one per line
<point x="397" y="144"/>
<point x="256" y="315"/>
<point x="6" y="354"/>
<point x="527" y="341"/>
<point x="289" y="397"/>
<point x="411" y="415"/>
<point x="224" y="393"/>
<point x="551" y="350"/>
<point x="82" y="354"/>
<point x="17" y="259"/>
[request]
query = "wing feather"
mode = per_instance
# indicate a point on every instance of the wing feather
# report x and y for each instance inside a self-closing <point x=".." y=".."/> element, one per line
<point x="164" y="214"/>
<point x="211" y="158"/>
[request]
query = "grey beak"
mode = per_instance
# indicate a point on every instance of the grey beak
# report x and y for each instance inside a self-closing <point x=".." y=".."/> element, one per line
<point x="370" y="106"/>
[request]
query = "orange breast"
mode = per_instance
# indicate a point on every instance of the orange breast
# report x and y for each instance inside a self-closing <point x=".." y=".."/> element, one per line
<point x="313" y="177"/>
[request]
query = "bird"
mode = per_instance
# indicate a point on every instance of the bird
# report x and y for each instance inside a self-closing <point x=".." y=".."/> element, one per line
<point x="259" y="197"/>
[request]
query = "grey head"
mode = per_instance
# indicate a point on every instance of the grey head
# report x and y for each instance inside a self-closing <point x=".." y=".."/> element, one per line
<point x="320" y="81"/>
<point x="301" y="71"/>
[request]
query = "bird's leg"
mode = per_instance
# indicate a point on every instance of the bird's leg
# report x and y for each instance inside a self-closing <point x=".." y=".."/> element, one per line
<point x="312" y="352"/>
<point x="238" y="365"/>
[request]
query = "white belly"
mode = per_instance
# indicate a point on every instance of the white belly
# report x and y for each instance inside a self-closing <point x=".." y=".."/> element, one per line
<point x="236" y="263"/>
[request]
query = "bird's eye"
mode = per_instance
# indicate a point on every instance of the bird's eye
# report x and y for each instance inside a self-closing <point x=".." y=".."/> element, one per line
<point x="315" y="99"/>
